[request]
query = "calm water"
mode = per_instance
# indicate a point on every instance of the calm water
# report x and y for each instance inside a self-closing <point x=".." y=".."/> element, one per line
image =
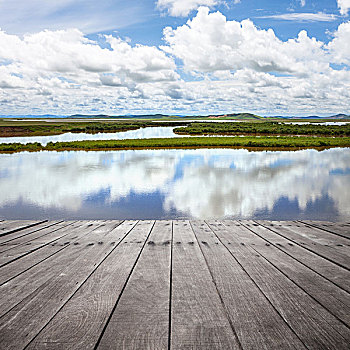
<point x="144" y="133"/>
<point x="176" y="184"/>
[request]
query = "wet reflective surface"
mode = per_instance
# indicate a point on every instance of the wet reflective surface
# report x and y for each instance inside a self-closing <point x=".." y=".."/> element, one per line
<point x="218" y="183"/>
<point x="143" y="133"/>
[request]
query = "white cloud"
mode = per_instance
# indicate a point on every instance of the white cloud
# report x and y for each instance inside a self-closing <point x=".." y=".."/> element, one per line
<point x="229" y="66"/>
<point x="222" y="45"/>
<point x="344" y="6"/>
<point x="340" y="45"/>
<point x="68" y="54"/>
<point x="304" y="17"/>
<point x="181" y="8"/>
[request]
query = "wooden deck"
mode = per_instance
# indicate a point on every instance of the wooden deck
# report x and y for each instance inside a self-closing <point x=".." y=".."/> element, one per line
<point x="174" y="285"/>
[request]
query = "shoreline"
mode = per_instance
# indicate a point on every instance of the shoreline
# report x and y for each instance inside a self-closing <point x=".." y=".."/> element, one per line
<point x="250" y="143"/>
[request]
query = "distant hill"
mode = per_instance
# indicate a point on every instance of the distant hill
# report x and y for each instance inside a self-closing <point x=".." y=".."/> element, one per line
<point x="233" y="116"/>
<point x="229" y="116"/>
<point x="335" y="117"/>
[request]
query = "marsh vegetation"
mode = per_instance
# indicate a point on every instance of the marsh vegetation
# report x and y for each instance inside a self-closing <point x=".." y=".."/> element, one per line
<point x="263" y="128"/>
<point x="183" y="143"/>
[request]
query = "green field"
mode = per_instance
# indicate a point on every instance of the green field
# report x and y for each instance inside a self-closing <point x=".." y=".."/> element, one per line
<point x="10" y="128"/>
<point x="263" y="143"/>
<point x="263" y="128"/>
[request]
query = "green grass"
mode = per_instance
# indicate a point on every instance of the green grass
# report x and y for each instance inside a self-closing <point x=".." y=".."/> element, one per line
<point x="10" y="128"/>
<point x="265" y="128"/>
<point x="188" y="142"/>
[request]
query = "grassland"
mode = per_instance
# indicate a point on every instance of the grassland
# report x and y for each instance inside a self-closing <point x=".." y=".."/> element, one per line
<point x="9" y="128"/>
<point x="263" y="128"/>
<point x="250" y="142"/>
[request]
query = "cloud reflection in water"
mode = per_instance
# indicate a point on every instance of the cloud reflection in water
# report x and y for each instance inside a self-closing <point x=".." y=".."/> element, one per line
<point x="188" y="183"/>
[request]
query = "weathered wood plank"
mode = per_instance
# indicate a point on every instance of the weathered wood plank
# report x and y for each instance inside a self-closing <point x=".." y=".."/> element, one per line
<point x="30" y="238"/>
<point x="93" y="303"/>
<point x="319" y="236"/>
<point x="16" y="225"/>
<point x="329" y="253"/>
<point x="315" y="326"/>
<point x="11" y="237"/>
<point x="334" y="299"/>
<point x="141" y="317"/>
<point x="22" y="323"/>
<point x="198" y="319"/>
<point x="322" y="266"/>
<point x="23" y="249"/>
<point x="36" y="278"/>
<point x="256" y="322"/>
<point x="341" y="229"/>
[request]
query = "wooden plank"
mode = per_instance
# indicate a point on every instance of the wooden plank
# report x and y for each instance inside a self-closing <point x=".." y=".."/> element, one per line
<point x="340" y="229"/>
<point x="315" y="326"/>
<point x="17" y="225"/>
<point x="256" y="322"/>
<point x="26" y="262"/>
<point x="329" y="253"/>
<point x="27" y="248"/>
<point x="15" y="237"/>
<point x="93" y="303"/>
<point x="34" y="279"/>
<point x="321" y="237"/>
<point x="198" y="318"/>
<point x="22" y="323"/>
<point x="334" y="299"/>
<point x="141" y="317"/>
<point x="324" y="267"/>
<point x="29" y="239"/>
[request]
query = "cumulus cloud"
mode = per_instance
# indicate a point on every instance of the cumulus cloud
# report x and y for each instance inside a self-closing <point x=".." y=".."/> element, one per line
<point x="208" y="65"/>
<point x="63" y="63"/>
<point x="340" y="45"/>
<point x="344" y="6"/>
<point x="304" y="17"/>
<point x="229" y="45"/>
<point x="181" y="8"/>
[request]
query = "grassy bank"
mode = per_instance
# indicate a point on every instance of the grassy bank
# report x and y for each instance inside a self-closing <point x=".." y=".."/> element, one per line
<point x="10" y="128"/>
<point x="264" y="128"/>
<point x="263" y="143"/>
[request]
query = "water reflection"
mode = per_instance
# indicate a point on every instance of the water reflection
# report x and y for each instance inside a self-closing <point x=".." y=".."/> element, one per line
<point x="176" y="183"/>
<point x="143" y="133"/>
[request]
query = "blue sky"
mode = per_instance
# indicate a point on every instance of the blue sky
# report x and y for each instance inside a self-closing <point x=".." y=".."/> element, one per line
<point x="174" y="56"/>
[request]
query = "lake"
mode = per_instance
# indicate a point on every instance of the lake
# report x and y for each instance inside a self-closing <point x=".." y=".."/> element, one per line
<point x="143" y="133"/>
<point x="163" y="184"/>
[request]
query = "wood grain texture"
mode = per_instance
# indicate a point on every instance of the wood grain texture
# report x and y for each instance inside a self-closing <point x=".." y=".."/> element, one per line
<point x="256" y="322"/>
<point x="340" y="229"/>
<point x="334" y="273"/>
<point x="334" y="255"/>
<point x="319" y="236"/>
<point x="82" y="319"/>
<point x="36" y="278"/>
<point x="14" y="252"/>
<point x="198" y="318"/>
<point x="23" y="322"/>
<point x="35" y="233"/>
<point x="334" y="299"/>
<point x="315" y="326"/>
<point x="175" y="285"/>
<point x="12" y="237"/>
<point x="14" y="226"/>
<point x="141" y="317"/>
